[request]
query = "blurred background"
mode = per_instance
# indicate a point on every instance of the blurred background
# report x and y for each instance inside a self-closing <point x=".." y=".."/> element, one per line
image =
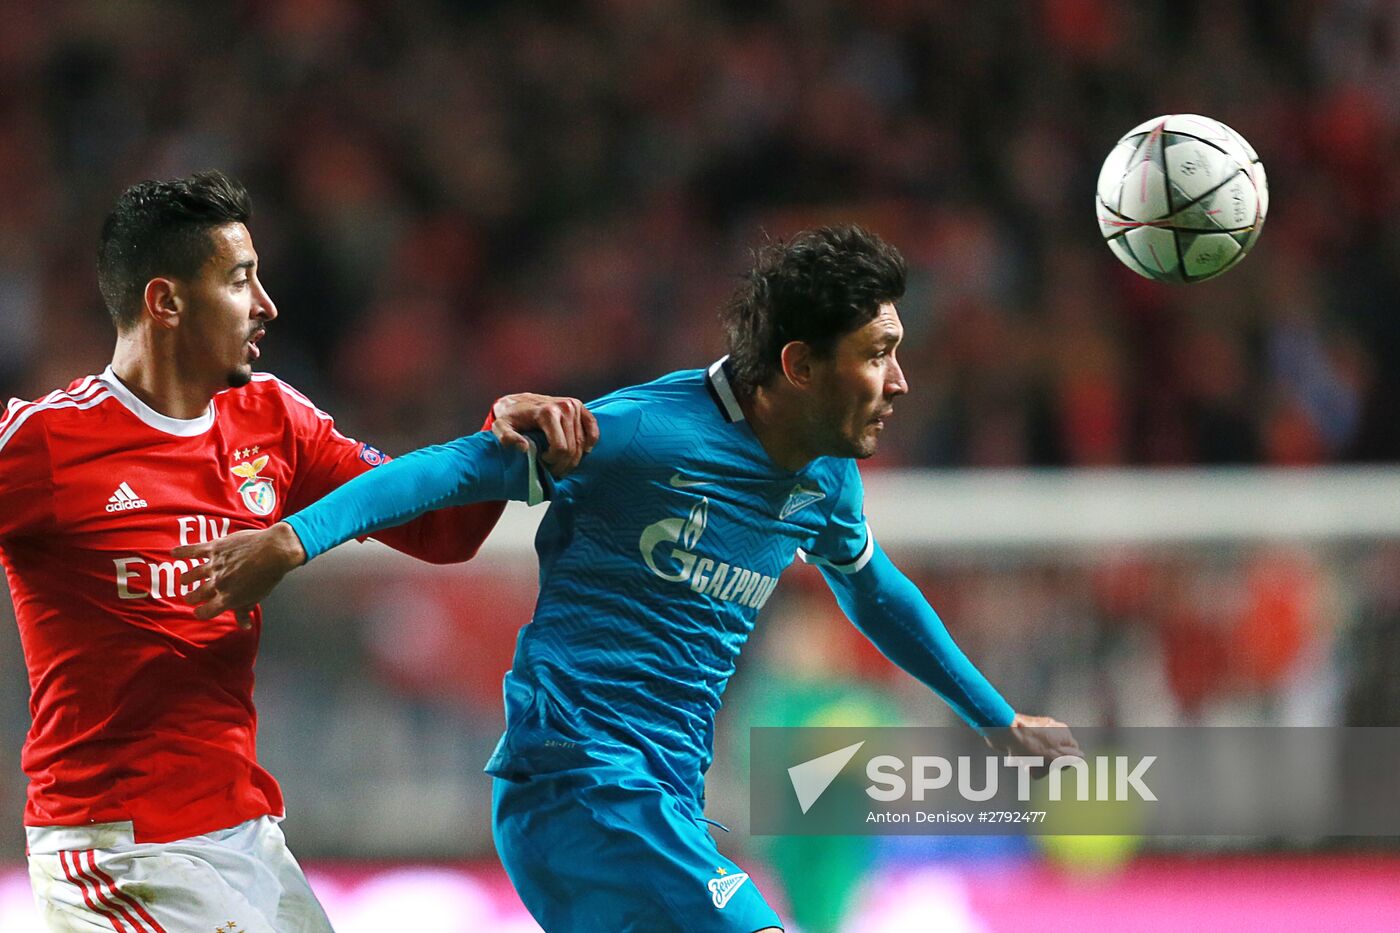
<point x="457" y="200"/>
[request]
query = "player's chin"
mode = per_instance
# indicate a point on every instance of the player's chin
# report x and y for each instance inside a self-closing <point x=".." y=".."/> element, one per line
<point x="240" y="376"/>
<point x="866" y="444"/>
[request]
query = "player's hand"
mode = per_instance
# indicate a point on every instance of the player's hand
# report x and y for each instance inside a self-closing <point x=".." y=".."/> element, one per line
<point x="570" y="429"/>
<point x="235" y="572"/>
<point x="1035" y="736"/>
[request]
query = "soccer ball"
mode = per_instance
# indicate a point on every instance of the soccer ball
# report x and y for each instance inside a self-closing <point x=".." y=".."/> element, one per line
<point x="1181" y="198"/>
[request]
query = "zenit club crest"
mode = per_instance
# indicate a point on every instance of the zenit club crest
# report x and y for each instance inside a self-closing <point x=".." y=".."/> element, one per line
<point x="799" y="499"/>
<point x="723" y="888"/>
<point x="258" y="494"/>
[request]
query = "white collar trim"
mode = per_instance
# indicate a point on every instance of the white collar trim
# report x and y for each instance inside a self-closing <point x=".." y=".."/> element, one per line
<point x="180" y="427"/>
<point x="719" y="381"/>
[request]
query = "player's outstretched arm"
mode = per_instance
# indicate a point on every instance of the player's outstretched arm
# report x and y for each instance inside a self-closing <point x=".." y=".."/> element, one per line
<point x="892" y="612"/>
<point x="451" y="535"/>
<point x="241" y="569"/>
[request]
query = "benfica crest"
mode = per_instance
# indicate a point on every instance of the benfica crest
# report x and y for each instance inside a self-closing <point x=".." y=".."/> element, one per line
<point x="258" y="494"/>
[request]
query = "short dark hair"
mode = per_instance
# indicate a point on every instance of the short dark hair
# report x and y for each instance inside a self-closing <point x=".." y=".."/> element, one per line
<point x="162" y="228"/>
<point x="817" y="287"/>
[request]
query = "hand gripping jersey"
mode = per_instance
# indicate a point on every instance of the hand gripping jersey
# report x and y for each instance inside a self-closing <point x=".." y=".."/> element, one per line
<point x="141" y="712"/>
<point x="656" y="556"/>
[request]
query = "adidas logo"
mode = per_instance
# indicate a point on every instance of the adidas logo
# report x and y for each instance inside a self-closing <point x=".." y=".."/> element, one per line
<point x="722" y="889"/>
<point x="124" y="499"/>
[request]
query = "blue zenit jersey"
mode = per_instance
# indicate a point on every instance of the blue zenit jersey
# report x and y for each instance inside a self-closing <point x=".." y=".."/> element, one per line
<point x="656" y="556"/>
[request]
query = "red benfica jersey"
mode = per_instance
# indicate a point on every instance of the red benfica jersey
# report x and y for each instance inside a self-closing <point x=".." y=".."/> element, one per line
<point x="141" y="711"/>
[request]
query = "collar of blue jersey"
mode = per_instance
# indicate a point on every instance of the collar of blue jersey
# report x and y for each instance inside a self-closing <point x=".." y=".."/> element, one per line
<point x="717" y="381"/>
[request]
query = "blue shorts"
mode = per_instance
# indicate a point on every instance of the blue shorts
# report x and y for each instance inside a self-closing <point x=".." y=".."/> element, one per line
<point x="610" y="850"/>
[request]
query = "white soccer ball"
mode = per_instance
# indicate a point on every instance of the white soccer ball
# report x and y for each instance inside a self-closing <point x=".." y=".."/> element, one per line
<point x="1181" y="198"/>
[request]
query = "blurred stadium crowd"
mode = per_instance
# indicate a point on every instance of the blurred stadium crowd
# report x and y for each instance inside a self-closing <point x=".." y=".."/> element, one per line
<point x="456" y="200"/>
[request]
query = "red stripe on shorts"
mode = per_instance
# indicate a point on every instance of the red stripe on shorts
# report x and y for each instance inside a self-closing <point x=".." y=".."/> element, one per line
<point x="98" y="892"/>
<point x="62" y="859"/>
<point x="122" y="895"/>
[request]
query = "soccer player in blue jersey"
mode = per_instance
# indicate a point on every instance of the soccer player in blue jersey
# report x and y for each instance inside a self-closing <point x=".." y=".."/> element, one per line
<point x="656" y="555"/>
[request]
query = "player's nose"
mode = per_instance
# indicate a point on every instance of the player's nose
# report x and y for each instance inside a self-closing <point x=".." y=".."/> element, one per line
<point x="895" y="383"/>
<point x="264" y="308"/>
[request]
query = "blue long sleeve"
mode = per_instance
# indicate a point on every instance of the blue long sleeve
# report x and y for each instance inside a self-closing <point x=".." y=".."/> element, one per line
<point x="891" y="611"/>
<point x="475" y="468"/>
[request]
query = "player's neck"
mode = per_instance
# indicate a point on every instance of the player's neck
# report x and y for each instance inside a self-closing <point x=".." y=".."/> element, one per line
<point x="777" y="429"/>
<point x="157" y="381"/>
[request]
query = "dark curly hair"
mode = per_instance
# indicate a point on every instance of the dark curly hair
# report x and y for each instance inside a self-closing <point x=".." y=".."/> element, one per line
<point x="817" y="287"/>
<point x="161" y="228"/>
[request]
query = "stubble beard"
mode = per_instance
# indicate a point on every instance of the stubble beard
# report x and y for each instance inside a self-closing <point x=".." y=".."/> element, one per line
<point x="865" y="446"/>
<point x="240" y="376"/>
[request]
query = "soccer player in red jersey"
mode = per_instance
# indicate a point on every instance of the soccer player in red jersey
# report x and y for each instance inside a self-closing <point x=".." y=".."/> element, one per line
<point x="147" y="809"/>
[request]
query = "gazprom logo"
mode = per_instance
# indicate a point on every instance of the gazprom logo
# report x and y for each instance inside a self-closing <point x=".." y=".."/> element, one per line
<point x="668" y="548"/>
<point x="671" y="531"/>
<point x="695" y="525"/>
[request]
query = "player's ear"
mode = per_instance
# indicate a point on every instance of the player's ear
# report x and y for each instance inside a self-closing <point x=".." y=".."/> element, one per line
<point x="797" y="359"/>
<point x="162" y="302"/>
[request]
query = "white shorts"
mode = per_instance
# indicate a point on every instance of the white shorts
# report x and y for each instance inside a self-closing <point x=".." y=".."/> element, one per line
<point x="96" y="879"/>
